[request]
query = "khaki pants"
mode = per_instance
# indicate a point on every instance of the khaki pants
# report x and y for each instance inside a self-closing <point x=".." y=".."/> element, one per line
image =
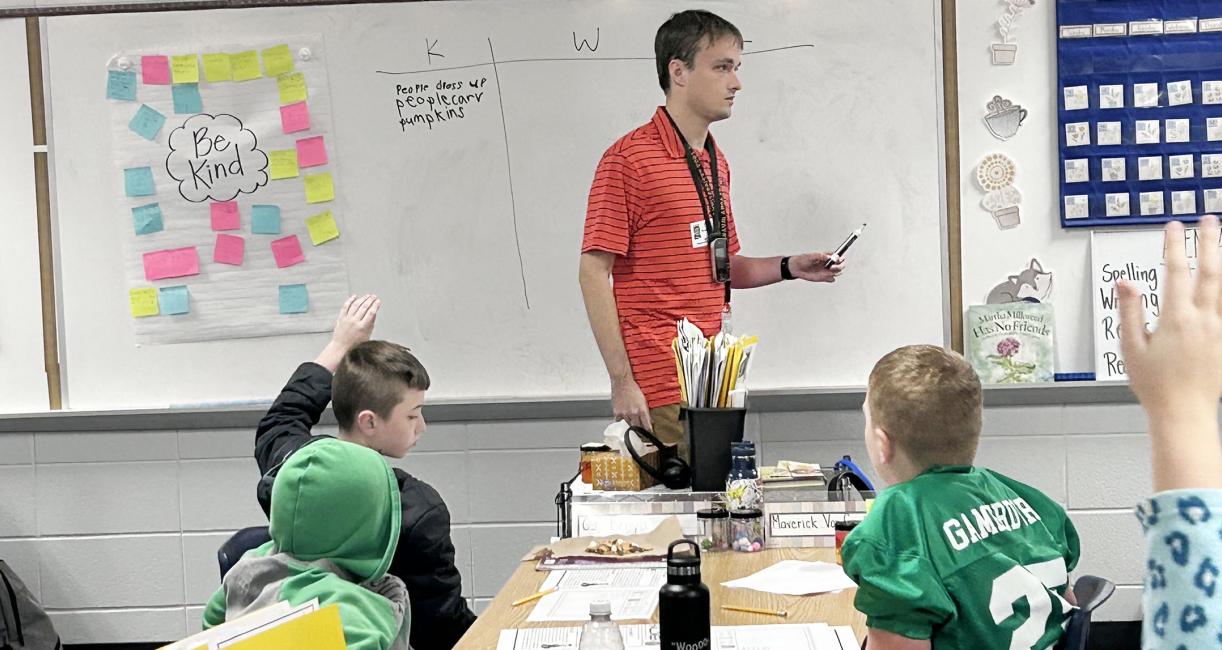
<point x="668" y="428"/>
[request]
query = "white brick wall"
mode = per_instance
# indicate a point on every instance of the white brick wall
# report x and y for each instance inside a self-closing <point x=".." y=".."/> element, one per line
<point x="117" y="531"/>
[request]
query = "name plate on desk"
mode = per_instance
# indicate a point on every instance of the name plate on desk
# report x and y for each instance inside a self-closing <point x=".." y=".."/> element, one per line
<point x="807" y="524"/>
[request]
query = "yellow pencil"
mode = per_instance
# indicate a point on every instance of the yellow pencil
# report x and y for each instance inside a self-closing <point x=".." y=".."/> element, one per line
<point x="533" y="597"/>
<point x="751" y="610"/>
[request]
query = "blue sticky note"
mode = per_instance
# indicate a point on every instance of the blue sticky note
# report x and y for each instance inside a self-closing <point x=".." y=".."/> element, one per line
<point x="138" y="181"/>
<point x="147" y="219"/>
<point x="121" y="84"/>
<point x="147" y="122"/>
<point x="174" y="300"/>
<point x="265" y="219"/>
<point x="294" y="299"/>
<point x="187" y="99"/>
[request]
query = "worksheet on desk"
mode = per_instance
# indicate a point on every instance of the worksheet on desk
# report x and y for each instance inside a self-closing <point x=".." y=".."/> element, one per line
<point x="605" y="579"/>
<point x="812" y="636"/>
<point x="575" y="605"/>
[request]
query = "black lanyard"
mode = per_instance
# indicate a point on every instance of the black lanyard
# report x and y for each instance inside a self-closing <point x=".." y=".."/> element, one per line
<point x="715" y="219"/>
<point x="716" y="222"/>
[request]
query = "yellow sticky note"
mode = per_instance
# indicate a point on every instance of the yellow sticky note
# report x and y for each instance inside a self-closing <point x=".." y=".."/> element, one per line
<point x="322" y="227"/>
<point x="245" y="65"/>
<point x="277" y="61"/>
<point x="217" y="67"/>
<point x="283" y="163"/>
<point x="184" y="68"/>
<point x="144" y="302"/>
<point x="319" y="188"/>
<point x="292" y="88"/>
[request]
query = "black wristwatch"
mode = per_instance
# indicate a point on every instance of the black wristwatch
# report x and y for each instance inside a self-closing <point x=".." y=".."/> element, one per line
<point x="786" y="274"/>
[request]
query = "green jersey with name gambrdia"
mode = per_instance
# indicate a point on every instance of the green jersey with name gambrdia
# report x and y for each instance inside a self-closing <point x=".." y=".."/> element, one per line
<point x="966" y="558"/>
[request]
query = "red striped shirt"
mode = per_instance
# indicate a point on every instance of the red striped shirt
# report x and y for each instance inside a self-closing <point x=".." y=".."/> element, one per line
<point x="643" y="203"/>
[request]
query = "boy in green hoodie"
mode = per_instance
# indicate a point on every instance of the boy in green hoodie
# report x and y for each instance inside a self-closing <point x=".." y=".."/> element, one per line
<point x="335" y="521"/>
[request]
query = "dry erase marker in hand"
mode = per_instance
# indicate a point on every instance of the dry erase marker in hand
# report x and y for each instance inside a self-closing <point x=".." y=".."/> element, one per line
<point x="844" y="247"/>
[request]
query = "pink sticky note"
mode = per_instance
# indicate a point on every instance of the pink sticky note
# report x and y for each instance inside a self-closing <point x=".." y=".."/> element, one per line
<point x="171" y="263"/>
<point x="229" y="250"/>
<point x="295" y="117"/>
<point x="225" y="216"/>
<point x="155" y="69"/>
<point x="311" y="152"/>
<point x="287" y="251"/>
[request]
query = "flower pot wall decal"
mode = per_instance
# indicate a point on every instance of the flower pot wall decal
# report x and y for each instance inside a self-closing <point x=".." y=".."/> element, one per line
<point x="1005" y="52"/>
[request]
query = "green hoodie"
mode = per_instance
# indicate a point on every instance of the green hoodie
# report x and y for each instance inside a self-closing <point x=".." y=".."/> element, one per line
<point x="334" y="527"/>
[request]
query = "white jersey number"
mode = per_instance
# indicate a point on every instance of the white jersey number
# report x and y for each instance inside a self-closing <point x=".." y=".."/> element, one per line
<point x="1032" y="582"/>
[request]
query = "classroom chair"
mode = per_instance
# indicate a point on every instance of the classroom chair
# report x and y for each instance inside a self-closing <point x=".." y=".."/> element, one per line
<point x="231" y="551"/>
<point x="1091" y="592"/>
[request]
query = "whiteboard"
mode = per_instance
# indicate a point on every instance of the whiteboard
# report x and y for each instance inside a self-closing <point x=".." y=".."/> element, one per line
<point x="460" y="226"/>
<point x="23" y="382"/>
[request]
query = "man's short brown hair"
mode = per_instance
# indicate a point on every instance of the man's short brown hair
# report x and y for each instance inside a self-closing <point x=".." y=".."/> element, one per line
<point x="928" y="401"/>
<point x="373" y="376"/>
<point x="683" y="35"/>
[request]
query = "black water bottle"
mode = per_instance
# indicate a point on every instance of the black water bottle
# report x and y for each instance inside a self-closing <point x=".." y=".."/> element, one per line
<point x="683" y="602"/>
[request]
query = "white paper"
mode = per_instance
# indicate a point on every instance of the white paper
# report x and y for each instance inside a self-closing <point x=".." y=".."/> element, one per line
<point x="810" y="636"/>
<point x="1076" y="170"/>
<point x="1111" y="96"/>
<point x="604" y="579"/>
<point x="1108" y="133"/>
<point x="795" y="578"/>
<point x="1113" y="169"/>
<point x="575" y="605"/>
<point x="1118" y="204"/>
<point x="294" y="613"/>
<point x="1213" y="129"/>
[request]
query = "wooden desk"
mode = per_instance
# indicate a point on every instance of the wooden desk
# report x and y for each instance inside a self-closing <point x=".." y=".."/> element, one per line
<point x="833" y="609"/>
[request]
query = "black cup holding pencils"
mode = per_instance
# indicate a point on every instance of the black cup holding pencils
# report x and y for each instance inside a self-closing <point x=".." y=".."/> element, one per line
<point x="683" y="602"/>
<point x="710" y="432"/>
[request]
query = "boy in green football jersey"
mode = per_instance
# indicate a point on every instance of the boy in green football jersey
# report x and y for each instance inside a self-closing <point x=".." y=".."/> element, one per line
<point x="951" y="555"/>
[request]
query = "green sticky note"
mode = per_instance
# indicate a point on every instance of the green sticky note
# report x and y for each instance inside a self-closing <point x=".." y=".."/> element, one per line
<point x="187" y="99"/>
<point x="265" y="219"/>
<point x="217" y="67"/>
<point x="138" y="181"/>
<point x="143" y="302"/>
<point x="322" y="228"/>
<point x="121" y="84"/>
<point x="147" y="219"/>
<point x="245" y="65"/>
<point x="283" y="163"/>
<point x="294" y="299"/>
<point x="292" y="88"/>
<point x="277" y="61"/>
<point x="184" y="68"/>
<point x="174" y="300"/>
<point x="319" y="188"/>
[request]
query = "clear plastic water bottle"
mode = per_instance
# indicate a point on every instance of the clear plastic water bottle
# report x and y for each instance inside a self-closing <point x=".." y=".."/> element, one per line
<point x="600" y="633"/>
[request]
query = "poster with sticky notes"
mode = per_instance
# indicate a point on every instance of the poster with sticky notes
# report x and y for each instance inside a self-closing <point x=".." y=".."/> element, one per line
<point x="143" y="302"/>
<point x="227" y="189"/>
<point x="319" y="188"/>
<point x="322" y="228"/>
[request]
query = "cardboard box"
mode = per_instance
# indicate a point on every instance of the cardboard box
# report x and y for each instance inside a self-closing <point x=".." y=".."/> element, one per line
<point x="610" y="471"/>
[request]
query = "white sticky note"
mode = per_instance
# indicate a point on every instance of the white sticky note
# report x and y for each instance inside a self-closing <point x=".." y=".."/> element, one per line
<point x="1213" y="128"/>
<point x="1107" y="133"/>
<point x="1176" y="130"/>
<point x="1150" y="168"/>
<point x="1211" y="92"/>
<point x="1077" y="206"/>
<point x="1213" y="200"/>
<point x="1184" y="202"/>
<point x="1111" y="96"/>
<point x="1077" y="134"/>
<point x="1145" y="95"/>
<point x="1211" y="165"/>
<point x="1147" y="132"/>
<point x="1118" y="204"/>
<point x="1179" y="93"/>
<point x="1151" y="204"/>
<point x="1113" y="169"/>
<point x="1076" y="98"/>
<point x="1076" y="170"/>
<point x="1179" y="166"/>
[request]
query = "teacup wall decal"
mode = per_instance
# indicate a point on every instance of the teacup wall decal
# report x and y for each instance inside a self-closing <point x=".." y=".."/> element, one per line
<point x="1004" y="117"/>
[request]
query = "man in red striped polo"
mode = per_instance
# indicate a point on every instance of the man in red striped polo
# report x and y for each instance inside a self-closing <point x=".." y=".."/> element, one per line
<point x="659" y="229"/>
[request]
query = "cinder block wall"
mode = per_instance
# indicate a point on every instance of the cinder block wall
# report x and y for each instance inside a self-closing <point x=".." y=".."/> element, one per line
<point x="117" y="531"/>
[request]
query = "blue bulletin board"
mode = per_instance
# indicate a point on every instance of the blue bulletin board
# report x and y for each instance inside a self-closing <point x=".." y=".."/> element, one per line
<point x="1139" y="111"/>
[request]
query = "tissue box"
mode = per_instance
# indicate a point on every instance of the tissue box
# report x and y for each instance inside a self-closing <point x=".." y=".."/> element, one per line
<point x="610" y="471"/>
